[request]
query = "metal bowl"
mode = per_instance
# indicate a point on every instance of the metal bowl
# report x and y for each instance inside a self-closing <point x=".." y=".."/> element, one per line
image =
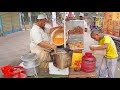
<point x="53" y="34"/>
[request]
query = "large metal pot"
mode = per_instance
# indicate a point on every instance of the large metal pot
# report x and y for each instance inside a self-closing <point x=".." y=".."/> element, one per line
<point x="62" y="59"/>
<point x="30" y="71"/>
<point x="30" y="64"/>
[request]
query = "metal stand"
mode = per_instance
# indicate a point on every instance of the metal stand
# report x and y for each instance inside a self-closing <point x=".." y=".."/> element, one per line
<point x="35" y="73"/>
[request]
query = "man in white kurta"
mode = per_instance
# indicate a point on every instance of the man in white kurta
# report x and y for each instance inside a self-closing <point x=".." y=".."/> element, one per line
<point x="40" y="43"/>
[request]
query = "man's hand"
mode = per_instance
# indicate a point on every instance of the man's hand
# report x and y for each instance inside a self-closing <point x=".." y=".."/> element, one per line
<point x="53" y="46"/>
<point x="51" y="30"/>
<point x="47" y="45"/>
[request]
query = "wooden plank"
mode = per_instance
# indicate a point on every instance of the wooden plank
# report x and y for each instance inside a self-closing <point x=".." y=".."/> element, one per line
<point x="44" y="73"/>
<point x="80" y="74"/>
<point x="59" y="76"/>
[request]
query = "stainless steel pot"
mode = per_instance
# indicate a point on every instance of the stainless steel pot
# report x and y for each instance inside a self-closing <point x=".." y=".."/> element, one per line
<point x="31" y="70"/>
<point x="30" y="64"/>
<point x="62" y="59"/>
<point x="30" y="59"/>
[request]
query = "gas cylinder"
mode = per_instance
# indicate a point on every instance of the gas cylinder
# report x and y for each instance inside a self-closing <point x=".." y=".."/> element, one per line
<point x="88" y="62"/>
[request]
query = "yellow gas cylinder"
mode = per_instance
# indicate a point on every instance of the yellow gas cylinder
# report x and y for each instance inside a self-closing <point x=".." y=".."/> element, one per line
<point x="76" y="60"/>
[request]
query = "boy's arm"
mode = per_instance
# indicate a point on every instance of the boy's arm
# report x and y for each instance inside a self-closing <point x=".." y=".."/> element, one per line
<point x="106" y="42"/>
<point x="99" y="47"/>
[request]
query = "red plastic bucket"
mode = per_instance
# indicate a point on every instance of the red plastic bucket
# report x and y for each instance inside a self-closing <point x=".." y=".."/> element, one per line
<point x="13" y="72"/>
<point x="6" y="71"/>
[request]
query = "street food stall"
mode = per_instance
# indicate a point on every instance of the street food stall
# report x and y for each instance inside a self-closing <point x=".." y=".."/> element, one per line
<point x="68" y="60"/>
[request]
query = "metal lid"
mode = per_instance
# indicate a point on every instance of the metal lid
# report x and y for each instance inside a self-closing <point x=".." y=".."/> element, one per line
<point x="29" y="57"/>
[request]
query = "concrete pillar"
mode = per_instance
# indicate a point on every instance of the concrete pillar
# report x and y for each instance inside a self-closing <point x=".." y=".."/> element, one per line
<point x="54" y="19"/>
<point x="65" y="14"/>
<point x="29" y="18"/>
<point x="20" y="19"/>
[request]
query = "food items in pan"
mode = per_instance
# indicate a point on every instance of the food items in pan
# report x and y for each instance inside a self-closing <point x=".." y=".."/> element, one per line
<point x="77" y="45"/>
<point x="76" y="30"/>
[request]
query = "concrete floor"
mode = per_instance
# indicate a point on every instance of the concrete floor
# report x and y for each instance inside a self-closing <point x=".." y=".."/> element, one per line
<point x="13" y="46"/>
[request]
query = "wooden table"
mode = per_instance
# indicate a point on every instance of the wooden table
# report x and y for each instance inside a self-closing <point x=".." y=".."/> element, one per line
<point x="44" y="73"/>
<point x="80" y="74"/>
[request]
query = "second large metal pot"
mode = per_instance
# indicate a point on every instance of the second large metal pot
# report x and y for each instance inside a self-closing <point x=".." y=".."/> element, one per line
<point x="30" y="60"/>
<point x="30" y="64"/>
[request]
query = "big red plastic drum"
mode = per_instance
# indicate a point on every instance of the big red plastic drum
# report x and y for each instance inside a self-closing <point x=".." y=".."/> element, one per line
<point x="88" y="62"/>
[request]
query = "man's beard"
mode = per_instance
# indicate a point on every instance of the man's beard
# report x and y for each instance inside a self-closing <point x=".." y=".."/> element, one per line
<point x="43" y="27"/>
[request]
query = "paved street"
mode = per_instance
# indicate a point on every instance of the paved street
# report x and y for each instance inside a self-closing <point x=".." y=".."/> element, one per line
<point x="13" y="46"/>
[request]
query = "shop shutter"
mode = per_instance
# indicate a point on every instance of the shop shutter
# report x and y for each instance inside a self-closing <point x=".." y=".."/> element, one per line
<point x="6" y="23"/>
